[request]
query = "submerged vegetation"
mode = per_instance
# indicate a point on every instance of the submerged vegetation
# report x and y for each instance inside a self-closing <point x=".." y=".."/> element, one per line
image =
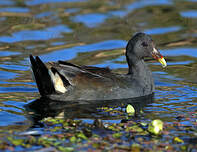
<point x="130" y="134"/>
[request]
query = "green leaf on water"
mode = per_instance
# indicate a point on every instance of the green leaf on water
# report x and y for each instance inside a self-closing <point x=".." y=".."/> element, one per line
<point x="117" y="135"/>
<point x="135" y="147"/>
<point x="67" y="149"/>
<point x="134" y="128"/>
<point x="82" y="136"/>
<point x="155" y="127"/>
<point x="178" y="140"/>
<point x="130" y="110"/>
<point x="16" y="142"/>
<point x="143" y="123"/>
<point x="73" y="139"/>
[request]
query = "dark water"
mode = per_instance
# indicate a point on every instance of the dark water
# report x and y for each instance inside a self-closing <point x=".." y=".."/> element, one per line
<point x="81" y="31"/>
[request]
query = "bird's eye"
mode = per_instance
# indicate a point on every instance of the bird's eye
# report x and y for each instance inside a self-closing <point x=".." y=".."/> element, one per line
<point x="144" y="44"/>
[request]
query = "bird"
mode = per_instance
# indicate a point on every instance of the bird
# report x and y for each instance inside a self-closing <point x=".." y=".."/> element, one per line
<point x="64" y="81"/>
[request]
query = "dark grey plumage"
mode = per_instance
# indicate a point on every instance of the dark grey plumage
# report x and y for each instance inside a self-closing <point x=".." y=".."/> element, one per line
<point x="68" y="82"/>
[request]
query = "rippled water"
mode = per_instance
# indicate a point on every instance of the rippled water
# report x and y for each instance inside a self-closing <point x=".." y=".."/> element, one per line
<point x="80" y="30"/>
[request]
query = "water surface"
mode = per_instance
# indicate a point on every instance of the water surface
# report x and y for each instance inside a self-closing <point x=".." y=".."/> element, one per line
<point x="80" y="31"/>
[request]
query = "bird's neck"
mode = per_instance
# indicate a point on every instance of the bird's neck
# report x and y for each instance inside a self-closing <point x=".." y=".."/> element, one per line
<point x="139" y="69"/>
<point x="141" y="73"/>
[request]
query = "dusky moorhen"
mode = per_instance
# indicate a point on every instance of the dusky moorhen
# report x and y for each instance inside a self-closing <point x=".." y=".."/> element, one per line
<point x="67" y="82"/>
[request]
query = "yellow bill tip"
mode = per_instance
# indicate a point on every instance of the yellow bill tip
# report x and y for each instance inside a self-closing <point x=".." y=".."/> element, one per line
<point x="162" y="61"/>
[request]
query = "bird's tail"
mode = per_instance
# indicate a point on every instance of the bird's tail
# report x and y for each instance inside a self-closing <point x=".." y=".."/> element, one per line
<point x="42" y="77"/>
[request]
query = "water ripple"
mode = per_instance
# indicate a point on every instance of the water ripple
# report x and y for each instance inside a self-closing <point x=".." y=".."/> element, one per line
<point x="180" y="52"/>
<point x="69" y="53"/>
<point x="10" y="118"/>
<point x="15" y="9"/>
<point x="7" y="2"/>
<point x="8" y="53"/>
<point x="17" y="89"/>
<point x="38" y="2"/>
<point x="143" y="3"/>
<point x="4" y="75"/>
<point x="162" y="30"/>
<point x="189" y="14"/>
<point x="45" y="34"/>
<point x="90" y="20"/>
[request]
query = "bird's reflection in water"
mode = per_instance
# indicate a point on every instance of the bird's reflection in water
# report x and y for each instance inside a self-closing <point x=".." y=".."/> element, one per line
<point x="43" y="108"/>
